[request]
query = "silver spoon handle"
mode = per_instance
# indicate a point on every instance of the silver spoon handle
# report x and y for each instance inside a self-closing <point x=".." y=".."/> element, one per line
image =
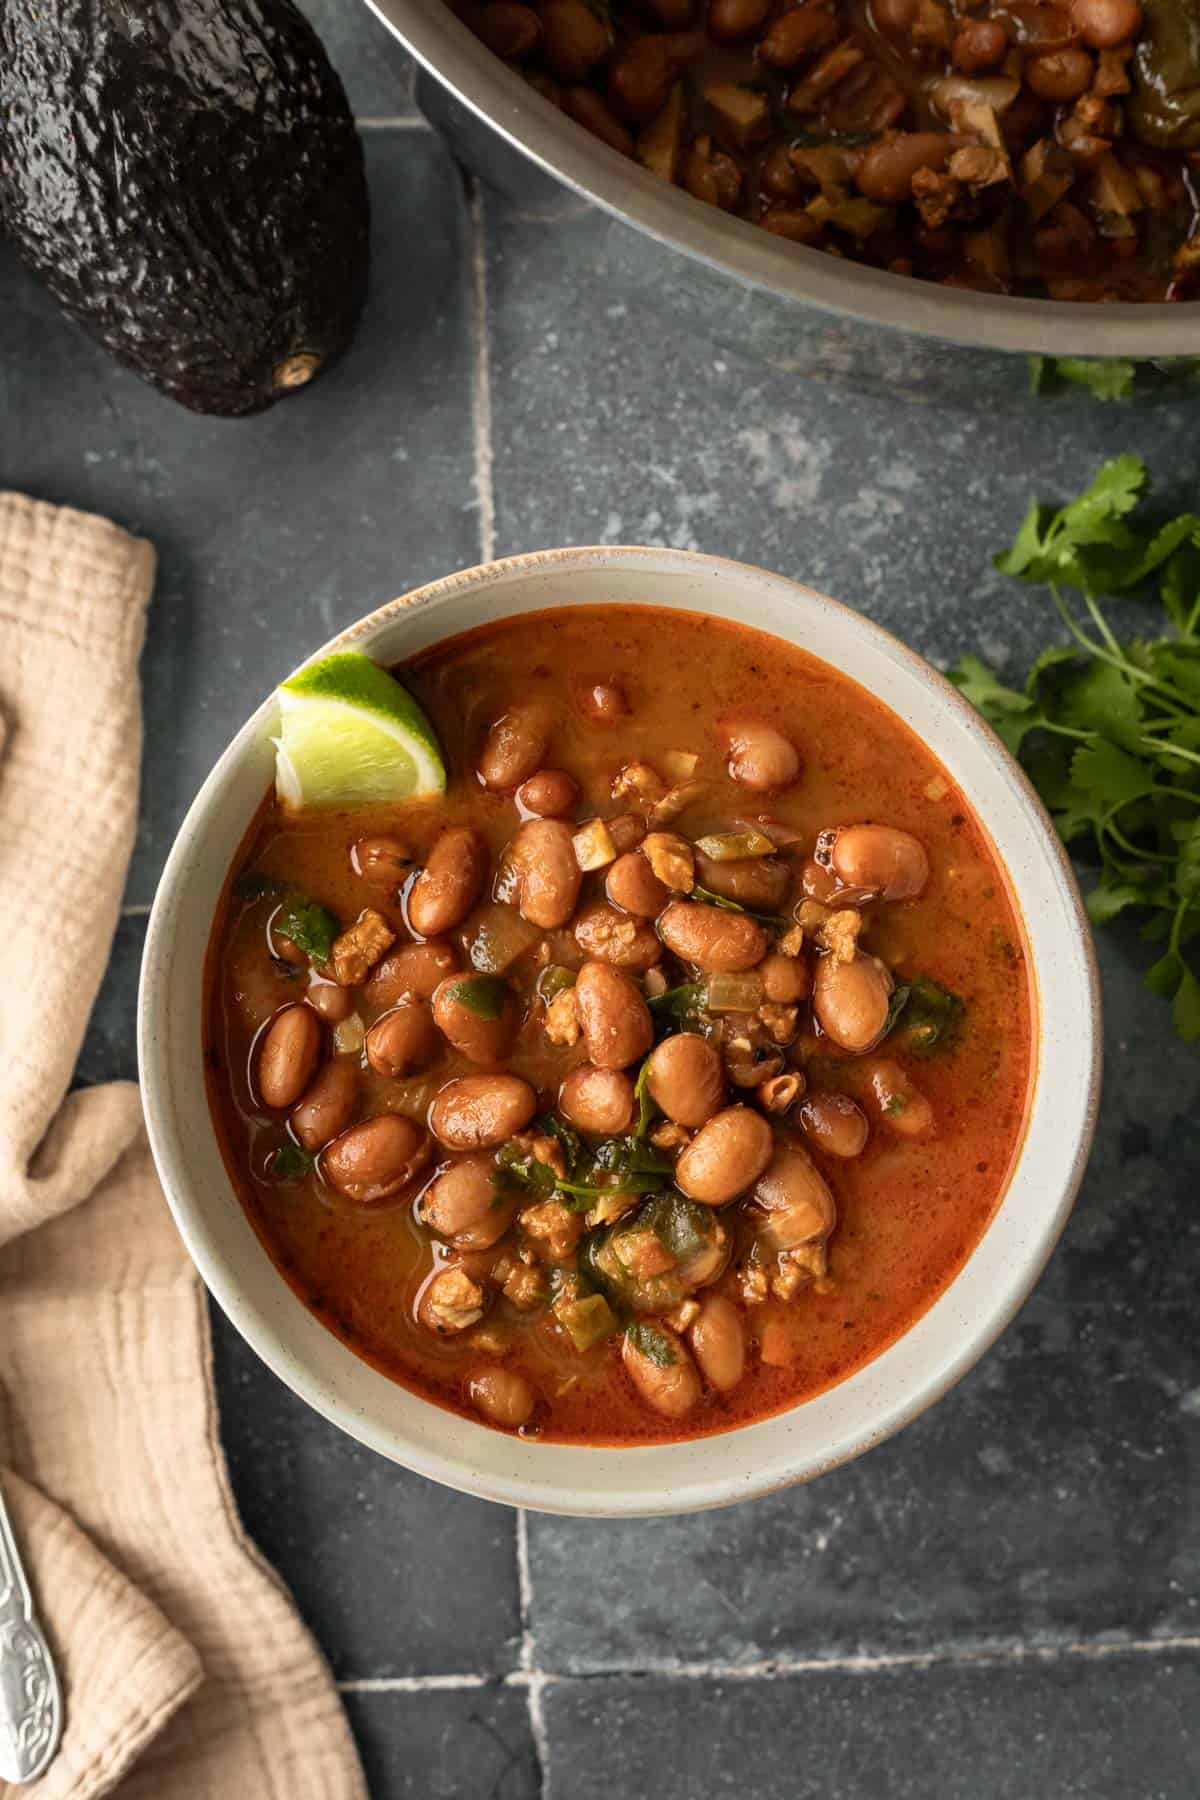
<point x="30" y="1697"/>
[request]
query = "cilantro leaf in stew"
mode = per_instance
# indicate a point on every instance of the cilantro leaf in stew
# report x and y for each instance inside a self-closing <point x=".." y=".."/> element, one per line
<point x="1039" y="147"/>
<point x="657" y="1075"/>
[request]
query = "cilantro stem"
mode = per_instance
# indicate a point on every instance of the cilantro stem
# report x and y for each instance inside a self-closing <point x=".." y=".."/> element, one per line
<point x="1106" y="824"/>
<point x="1178" y="703"/>
<point x="1169" y="749"/>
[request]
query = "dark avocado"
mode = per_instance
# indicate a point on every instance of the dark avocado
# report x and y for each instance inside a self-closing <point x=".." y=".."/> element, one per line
<point x="186" y="177"/>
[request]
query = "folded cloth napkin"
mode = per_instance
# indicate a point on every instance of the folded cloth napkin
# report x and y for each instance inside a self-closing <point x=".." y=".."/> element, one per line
<point x="187" y="1674"/>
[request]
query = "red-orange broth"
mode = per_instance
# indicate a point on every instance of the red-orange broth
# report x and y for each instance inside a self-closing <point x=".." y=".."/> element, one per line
<point x="909" y="1209"/>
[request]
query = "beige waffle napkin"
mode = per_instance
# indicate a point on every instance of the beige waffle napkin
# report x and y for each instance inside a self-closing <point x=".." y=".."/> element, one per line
<point x="187" y="1674"/>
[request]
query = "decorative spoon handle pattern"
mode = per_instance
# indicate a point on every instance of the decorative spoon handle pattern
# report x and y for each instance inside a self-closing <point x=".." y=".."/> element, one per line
<point x="30" y="1696"/>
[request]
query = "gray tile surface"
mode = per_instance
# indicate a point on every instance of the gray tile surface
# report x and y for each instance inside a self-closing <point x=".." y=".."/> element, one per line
<point x="1044" y="1515"/>
<point x="466" y="1745"/>
<point x="395" y="1576"/>
<point x="1070" y="1729"/>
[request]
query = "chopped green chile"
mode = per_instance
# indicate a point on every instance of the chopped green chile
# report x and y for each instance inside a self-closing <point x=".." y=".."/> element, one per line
<point x="556" y="1239"/>
<point x="311" y="927"/>
<point x="651" y="1342"/>
<point x="735" y="846"/>
<point x="483" y="995"/>
<point x="1165" y="107"/>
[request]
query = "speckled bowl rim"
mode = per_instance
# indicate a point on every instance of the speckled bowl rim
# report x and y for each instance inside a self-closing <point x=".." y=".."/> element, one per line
<point x="792" y="1446"/>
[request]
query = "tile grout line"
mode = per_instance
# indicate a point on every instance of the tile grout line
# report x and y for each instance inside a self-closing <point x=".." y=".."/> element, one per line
<point x="528" y="1676"/>
<point x="485" y="491"/>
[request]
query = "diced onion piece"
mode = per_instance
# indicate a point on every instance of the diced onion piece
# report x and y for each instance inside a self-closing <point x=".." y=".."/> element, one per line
<point x="734" y="993"/>
<point x="587" y="1321"/>
<point x="996" y="91"/>
<point x="936" y="788"/>
<point x="782" y="836"/>
<point x="554" y="979"/>
<point x="594" y="848"/>
<point x="348" y="1035"/>
<point x="675" y="801"/>
<point x="735" y="846"/>
<point x="499" y="938"/>
<point x="680" y="764"/>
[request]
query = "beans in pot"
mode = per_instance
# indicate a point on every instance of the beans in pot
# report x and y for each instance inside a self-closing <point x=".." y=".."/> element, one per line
<point x="685" y="1079"/>
<point x="542" y="858"/>
<point x="412" y="972"/>
<point x="465" y="1204"/>
<point x="548" y="794"/>
<point x="1019" y="147"/>
<point x="632" y="885"/>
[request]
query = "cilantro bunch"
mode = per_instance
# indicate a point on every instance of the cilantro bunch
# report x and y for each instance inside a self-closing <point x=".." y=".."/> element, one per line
<point x="1109" y="728"/>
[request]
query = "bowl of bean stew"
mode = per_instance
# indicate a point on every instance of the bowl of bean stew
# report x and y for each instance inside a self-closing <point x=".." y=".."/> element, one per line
<point x="672" y="1105"/>
<point x="1012" y="175"/>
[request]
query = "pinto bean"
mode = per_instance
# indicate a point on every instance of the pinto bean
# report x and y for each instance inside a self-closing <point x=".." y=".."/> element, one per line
<point x="548" y="794"/>
<point x="1060" y="74"/>
<point x="796" y="1196"/>
<point x="662" y="1371"/>
<point x="613" y="1016"/>
<point x="479" y="1014"/>
<point x="719" y="942"/>
<point x="881" y="861"/>
<point x="288" y="1055"/>
<point x="514" y="748"/>
<point x="464" y="1204"/>
<point x="632" y="885"/>
<point x="450" y="883"/>
<point x="477" y="1112"/>
<point x="978" y="44"/>
<point x="895" y="18"/>
<point x="760" y="757"/>
<point x="886" y="170"/>
<point x="599" y="1100"/>
<point x="403" y="1040"/>
<point x="719" y="1343"/>
<point x="902" y="1107"/>
<point x="585" y="106"/>
<point x="574" y="39"/>
<point x="328" y="1103"/>
<point x="334" y="1003"/>
<point x="504" y="1396"/>
<point x="542" y="855"/>
<point x="604" y="702"/>
<point x="686" y="1079"/>
<point x="785" y="979"/>
<point x="756" y="881"/>
<point x="384" y="861"/>
<point x="726" y="1156"/>
<point x="510" y="29"/>
<point x="835" y="1124"/>
<point x="614" y="937"/>
<point x="795" y="35"/>
<point x="732" y="21"/>
<point x="1107" y="23"/>
<point x="410" y="973"/>
<point x="851" y="1000"/>
<point x="639" y="81"/>
<point x="374" y="1160"/>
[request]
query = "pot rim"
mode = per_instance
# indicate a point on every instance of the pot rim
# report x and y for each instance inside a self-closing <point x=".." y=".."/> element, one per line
<point x="655" y="1479"/>
<point x="529" y="122"/>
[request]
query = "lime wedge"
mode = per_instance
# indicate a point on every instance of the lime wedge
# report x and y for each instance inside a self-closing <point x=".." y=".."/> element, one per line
<point x="350" y="735"/>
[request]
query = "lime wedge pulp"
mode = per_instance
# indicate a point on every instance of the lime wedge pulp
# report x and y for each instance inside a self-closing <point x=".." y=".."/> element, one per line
<point x="350" y="735"/>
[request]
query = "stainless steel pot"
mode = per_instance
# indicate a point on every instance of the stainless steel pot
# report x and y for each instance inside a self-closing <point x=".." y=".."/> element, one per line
<point x="515" y="139"/>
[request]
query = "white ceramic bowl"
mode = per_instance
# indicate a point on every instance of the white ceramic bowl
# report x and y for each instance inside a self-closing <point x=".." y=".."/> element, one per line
<point x="810" y="1438"/>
